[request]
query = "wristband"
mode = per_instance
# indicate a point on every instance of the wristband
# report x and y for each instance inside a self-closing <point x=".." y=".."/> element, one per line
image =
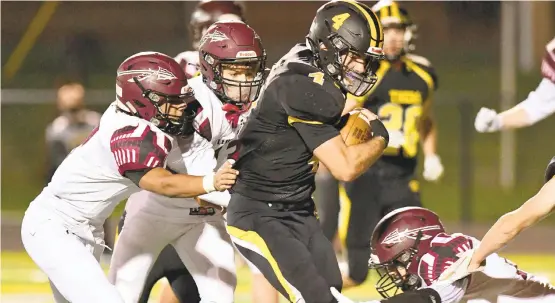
<point x="208" y="183"/>
<point x="379" y="130"/>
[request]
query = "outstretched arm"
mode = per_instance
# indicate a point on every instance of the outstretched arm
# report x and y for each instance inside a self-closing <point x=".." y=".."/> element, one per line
<point x="511" y="224"/>
<point x="539" y="105"/>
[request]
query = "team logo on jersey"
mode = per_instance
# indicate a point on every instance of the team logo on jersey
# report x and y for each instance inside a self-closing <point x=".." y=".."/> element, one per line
<point x="142" y="74"/>
<point x="215" y="36"/>
<point x="397" y="236"/>
<point x="202" y="211"/>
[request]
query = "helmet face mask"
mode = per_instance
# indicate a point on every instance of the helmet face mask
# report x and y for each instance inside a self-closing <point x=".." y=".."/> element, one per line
<point x="399" y="241"/>
<point x="236" y="82"/>
<point x="346" y="39"/>
<point x="175" y="113"/>
<point x="394" y="275"/>
<point x="153" y="87"/>
<point x="232" y="60"/>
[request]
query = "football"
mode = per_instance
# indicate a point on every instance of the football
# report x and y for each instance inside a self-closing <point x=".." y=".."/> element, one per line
<point x="357" y="129"/>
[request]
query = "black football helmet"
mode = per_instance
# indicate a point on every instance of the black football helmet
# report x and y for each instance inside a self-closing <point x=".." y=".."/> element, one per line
<point x="343" y="27"/>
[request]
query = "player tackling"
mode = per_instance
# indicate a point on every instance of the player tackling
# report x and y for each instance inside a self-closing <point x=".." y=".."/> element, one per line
<point x="411" y="250"/>
<point x="62" y="228"/>
<point x="232" y="61"/>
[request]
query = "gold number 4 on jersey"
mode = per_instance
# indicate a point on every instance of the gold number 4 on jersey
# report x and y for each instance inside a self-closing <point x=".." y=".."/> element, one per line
<point x="318" y="77"/>
<point x="338" y="20"/>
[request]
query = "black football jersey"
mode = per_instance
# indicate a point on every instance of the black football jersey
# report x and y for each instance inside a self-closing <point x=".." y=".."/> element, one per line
<point x="398" y="99"/>
<point x="297" y="111"/>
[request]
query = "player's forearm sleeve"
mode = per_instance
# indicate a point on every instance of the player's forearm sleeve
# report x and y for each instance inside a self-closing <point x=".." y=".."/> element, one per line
<point x="424" y="295"/>
<point x="217" y="197"/>
<point x="540" y="102"/>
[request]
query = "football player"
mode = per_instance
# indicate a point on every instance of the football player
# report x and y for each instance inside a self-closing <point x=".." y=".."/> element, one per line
<point x="539" y="104"/>
<point x="411" y="250"/>
<point x="402" y="98"/>
<point x="271" y="215"/>
<point x="205" y="14"/>
<point x="62" y="228"/>
<point x="232" y="61"/>
<point x="511" y="224"/>
<point x="169" y="264"/>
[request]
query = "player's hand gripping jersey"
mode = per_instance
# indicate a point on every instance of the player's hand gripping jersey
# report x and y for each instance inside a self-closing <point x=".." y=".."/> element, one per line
<point x="297" y="113"/>
<point x="429" y="257"/>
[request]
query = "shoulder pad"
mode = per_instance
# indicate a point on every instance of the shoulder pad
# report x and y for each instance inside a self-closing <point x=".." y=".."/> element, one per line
<point x="550" y="170"/>
<point x="310" y="97"/>
<point x="425" y="65"/>
<point x="444" y="251"/>
<point x="419" y="60"/>
<point x="139" y="147"/>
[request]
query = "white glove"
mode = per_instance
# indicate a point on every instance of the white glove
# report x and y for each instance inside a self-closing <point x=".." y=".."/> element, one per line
<point x="342" y="299"/>
<point x="487" y="121"/>
<point x="433" y="169"/>
<point x="396" y="138"/>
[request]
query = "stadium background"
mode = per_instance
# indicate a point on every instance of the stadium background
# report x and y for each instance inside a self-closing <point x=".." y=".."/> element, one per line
<point x="86" y="41"/>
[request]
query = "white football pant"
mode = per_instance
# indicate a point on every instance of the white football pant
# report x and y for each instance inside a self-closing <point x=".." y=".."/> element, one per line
<point x="204" y="247"/>
<point x="68" y="255"/>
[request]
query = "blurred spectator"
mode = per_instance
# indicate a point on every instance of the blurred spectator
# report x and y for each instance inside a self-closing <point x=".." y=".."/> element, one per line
<point x="69" y="130"/>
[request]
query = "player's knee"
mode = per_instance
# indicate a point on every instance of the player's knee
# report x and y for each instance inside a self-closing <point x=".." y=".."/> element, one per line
<point x="358" y="269"/>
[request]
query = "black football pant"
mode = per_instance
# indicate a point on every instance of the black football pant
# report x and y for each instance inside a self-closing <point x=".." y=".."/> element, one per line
<point x="368" y="199"/>
<point x="327" y="203"/>
<point x="286" y="243"/>
<point x="169" y="265"/>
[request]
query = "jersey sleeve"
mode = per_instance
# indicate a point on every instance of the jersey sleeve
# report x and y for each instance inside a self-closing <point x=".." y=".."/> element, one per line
<point x="311" y="109"/>
<point x="548" y="62"/>
<point x="138" y="149"/>
<point x="550" y="170"/>
<point x="540" y="102"/>
<point x="446" y="254"/>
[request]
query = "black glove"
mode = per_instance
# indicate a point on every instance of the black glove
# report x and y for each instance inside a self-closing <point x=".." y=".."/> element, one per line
<point x="379" y="130"/>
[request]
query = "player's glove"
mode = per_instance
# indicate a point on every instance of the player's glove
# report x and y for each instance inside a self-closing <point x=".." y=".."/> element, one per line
<point x="342" y="299"/>
<point x="487" y="121"/>
<point x="433" y="169"/>
<point x="396" y="139"/>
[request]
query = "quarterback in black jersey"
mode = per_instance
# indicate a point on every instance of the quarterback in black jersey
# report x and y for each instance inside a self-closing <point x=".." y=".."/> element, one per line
<point x="271" y="215"/>
<point x="402" y="99"/>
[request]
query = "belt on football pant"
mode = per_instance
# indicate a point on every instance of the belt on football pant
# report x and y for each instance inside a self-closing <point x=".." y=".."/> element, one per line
<point x="290" y="206"/>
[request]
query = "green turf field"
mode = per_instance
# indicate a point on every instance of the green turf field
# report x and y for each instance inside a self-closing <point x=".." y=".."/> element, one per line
<point x="21" y="277"/>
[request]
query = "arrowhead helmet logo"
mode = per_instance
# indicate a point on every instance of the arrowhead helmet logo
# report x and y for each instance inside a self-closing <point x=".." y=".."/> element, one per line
<point x="215" y="36"/>
<point x="397" y="236"/>
<point x="142" y="74"/>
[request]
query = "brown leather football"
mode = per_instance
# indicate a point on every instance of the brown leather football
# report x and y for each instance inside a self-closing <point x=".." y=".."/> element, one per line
<point x="357" y="129"/>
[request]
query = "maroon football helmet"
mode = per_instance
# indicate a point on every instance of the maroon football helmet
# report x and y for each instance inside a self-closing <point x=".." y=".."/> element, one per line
<point x="207" y="12"/>
<point x="153" y="86"/>
<point x="398" y="242"/>
<point x="234" y="47"/>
